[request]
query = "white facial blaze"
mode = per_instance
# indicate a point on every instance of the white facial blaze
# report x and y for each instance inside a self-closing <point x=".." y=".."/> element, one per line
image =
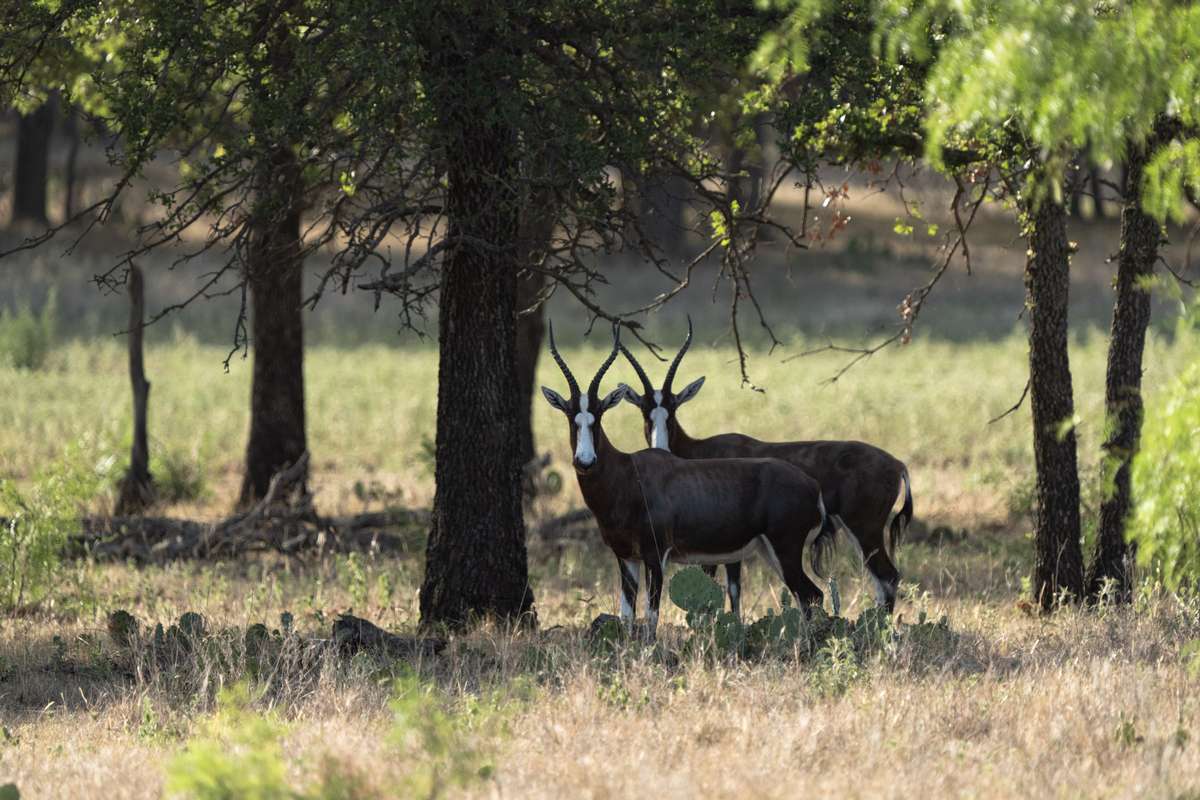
<point x="658" y="424"/>
<point x="585" y="451"/>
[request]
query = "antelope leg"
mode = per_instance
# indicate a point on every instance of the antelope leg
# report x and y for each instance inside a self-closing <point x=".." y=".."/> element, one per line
<point x="654" y="585"/>
<point x="733" y="581"/>
<point x="629" y="590"/>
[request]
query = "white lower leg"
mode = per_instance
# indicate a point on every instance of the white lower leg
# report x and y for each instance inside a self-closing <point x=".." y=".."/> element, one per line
<point x="629" y="604"/>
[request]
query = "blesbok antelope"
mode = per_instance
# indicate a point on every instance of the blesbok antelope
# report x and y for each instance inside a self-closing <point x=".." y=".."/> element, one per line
<point x="859" y="482"/>
<point x="653" y="507"/>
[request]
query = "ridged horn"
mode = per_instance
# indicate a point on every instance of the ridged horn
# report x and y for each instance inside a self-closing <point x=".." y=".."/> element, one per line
<point x="678" y="357"/>
<point x="647" y="386"/>
<point x="593" y="390"/>
<point x="563" y="365"/>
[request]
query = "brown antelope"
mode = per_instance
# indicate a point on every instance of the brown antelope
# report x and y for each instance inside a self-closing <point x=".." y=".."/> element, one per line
<point x="859" y="482"/>
<point x="653" y="507"/>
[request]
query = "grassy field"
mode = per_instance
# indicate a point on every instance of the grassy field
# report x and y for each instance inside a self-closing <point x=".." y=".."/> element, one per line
<point x="1008" y="704"/>
<point x="998" y="703"/>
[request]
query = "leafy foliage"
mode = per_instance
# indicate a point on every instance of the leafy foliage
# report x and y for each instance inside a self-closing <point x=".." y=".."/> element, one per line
<point x="1059" y="77"/>
<point x="1166" y="477"/>
<point x="239" y="753"/>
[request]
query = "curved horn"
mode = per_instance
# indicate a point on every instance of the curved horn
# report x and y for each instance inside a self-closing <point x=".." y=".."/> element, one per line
<point x="647" y="386"/>
<point x="678" y="357"/>
<point x="594" y="389"/>
<point x="563" y="365"/>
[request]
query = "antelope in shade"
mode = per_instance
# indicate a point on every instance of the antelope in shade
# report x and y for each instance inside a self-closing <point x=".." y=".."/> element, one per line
<point x="859" y="482"/>
<point x="653" y="507"/>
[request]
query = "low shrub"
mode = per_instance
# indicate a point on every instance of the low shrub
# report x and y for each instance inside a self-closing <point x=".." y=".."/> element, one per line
<point x="39" y="520"/>
<point x="26" y="338"/>
<point x="1165" y="523"/>
<point x="239" y="752"/>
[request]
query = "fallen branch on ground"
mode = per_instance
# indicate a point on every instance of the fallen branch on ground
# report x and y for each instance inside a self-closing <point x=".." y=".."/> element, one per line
<point x="162" y="539"/>
<point x="572" y="525"/>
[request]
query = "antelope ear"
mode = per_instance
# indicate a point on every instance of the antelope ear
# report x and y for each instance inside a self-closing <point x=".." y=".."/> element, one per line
<point x="613" y="397"/>
<point x="629" y="394"/>
<point x="689" y="391"/>
<point x="555" y="399"/>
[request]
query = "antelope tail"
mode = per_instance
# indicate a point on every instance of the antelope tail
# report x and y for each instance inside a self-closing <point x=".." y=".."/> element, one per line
<point x="824" y="542"/>
<point x="903" y="517"/>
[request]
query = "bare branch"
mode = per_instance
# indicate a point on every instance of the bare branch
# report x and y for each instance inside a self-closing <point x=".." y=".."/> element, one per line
<point x="1015" y="406"/>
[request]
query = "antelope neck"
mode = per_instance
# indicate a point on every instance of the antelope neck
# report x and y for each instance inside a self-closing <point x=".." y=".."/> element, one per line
<point x="680" y="443"/>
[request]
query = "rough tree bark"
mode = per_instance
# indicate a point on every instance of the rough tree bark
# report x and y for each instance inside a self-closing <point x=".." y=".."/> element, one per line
<point x="476" y="563"/>
<point x="274" y="273"/>
<point x="136" y="492"/>
<point x="1140" y="238"/>
<point x="1059" y="558"/>
<point x="33" y="157"/>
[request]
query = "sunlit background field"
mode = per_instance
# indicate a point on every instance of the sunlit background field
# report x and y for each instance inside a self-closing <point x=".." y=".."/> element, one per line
<point x="1003" y="704"/>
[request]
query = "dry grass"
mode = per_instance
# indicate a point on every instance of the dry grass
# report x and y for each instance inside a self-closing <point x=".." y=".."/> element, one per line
<point x="1085" y="704"/>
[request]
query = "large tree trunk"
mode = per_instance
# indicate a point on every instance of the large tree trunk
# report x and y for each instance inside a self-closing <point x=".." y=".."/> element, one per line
<point x="275" y="276"/>
<point x="1059" y="558"/>
<point x="475" y="560"/>
<point x="1140" y="237"/>
<point x="33" y="157"/>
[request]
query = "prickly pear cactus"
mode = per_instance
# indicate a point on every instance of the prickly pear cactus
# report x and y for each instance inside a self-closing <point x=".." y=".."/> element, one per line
<point x="192" y="624"/>
<point x="123" y="628"/>
<point x="698" y="595"/>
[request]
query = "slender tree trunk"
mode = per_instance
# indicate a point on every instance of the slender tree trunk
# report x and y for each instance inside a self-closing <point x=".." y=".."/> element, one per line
<point x="1076" y="184"/>
<point x="739" y="188"/>
<point x="33" y="157"/>
<point x="274" y="272"/>
<point x="1097" y="192"/>
<point x="1059" y="559"/>
<point x="136" y="492"/>
<point x="71" y="131"/>
<point x="662" y="207"/>
<point x="476" y="560"/>
<point x="760" y="170"/>
<point x="1140" y="237"/>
